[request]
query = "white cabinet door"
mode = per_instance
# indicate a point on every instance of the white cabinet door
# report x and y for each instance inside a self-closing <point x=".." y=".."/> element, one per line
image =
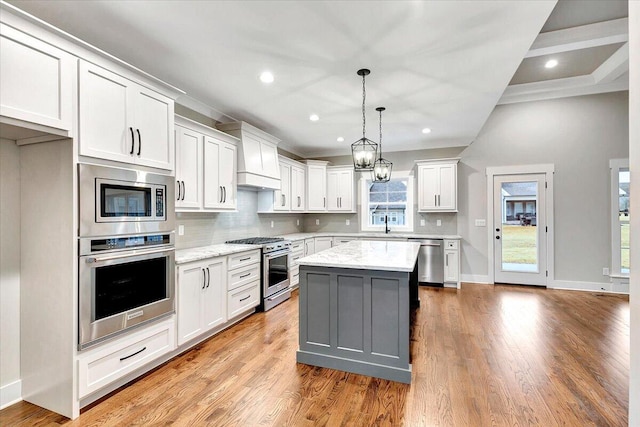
<point x="105" y="129"/>
<point x="122" y="121"/>
<point x="213" y="192"/>
<point x="447" y="195"/>
<point x="309" y="247"/>
<point x="214" y="309"/>
<point x="317" y="188"/>
<point x="333" y="191"/>
<point x="227" y="175"/>
<point x="36" y="81"/>
<point x="282" y="197"/>
<point x="188" y="168"/>
<point x="428" y="187"/>
<point x="298" y="199"/>
<point x="451" y="262"/>
<point x="269" y="157"/>
<point x="322" y="243"/>
<point x="153" y="122"/>
<point x="191" y="284"/>
<point x="340" y="188"/>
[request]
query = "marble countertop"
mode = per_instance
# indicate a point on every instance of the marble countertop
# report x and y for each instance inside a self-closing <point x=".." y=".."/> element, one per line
<point x="367" y="255"/>
<point x="364" y="235"/>
<point x="195" y="254"/>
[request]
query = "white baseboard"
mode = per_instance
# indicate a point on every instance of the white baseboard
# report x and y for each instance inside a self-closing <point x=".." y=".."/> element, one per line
<point x="10" y="393"/>
<point x="589" y="286"/>
<point x="474" y="278"/>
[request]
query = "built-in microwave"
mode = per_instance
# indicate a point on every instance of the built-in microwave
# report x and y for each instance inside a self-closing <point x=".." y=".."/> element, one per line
<point x="117" y="201"/>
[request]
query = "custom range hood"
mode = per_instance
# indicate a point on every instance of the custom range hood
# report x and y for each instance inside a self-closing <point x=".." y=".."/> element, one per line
<point x="258" y="165"/>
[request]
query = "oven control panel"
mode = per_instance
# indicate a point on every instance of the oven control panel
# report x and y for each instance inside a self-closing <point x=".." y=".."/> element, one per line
<point x="113" y="243"/>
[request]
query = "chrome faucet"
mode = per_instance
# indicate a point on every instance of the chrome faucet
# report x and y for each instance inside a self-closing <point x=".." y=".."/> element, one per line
<point x="386" y="226"/>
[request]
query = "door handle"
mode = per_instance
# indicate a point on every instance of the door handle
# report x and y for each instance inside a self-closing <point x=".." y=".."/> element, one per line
<point x="139" y="141"/>
<point x="324" y="202"/>
<point x="446" y="260"/>
<point x="133" y="140"/>
<point x="497" y="237"/>
<point x="497" y="229"/>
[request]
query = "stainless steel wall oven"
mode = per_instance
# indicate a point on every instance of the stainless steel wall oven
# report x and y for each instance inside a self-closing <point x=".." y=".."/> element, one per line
<point x="124" y="281"/>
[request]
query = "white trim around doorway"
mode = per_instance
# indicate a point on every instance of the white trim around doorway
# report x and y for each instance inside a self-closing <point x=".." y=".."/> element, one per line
<point x="548" y="170"/>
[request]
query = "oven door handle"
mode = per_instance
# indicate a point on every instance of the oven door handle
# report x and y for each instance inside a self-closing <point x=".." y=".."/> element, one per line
<point x="277" y="254"/>
<point x="92" y="259"/>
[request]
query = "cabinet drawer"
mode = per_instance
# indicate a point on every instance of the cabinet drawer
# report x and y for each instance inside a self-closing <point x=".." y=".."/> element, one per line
<point x="451" y="244"/>
<point x="243" y="298"/>
<point x="295" y="257"/>
<point x="297" y="246"/>
<point x="242" y="276"/>
<point x="101" y="366"/>
<point x="243" y="258"/>
<point x="294" y="276"/>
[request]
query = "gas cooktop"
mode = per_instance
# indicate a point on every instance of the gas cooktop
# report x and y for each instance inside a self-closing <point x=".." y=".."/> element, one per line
<point x="256" y="240"/>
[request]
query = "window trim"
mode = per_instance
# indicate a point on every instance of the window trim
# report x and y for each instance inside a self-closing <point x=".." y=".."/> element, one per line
<point x="364" y="203"/>
<point x="616" y="239"/>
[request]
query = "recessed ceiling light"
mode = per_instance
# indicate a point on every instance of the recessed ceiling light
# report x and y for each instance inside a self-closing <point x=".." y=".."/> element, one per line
<point x="314" y="118"/>
<point x="426" y="130"/>
<point x="340" y="139"/>
<point x="551" y="63"/>
<point x="266" y="77"/>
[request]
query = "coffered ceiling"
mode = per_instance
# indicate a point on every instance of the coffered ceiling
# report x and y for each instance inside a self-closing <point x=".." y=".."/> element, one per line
<point x="442" y="65"/>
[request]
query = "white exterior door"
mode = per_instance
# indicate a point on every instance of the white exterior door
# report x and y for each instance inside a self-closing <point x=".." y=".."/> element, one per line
<point x="520" y="229"/>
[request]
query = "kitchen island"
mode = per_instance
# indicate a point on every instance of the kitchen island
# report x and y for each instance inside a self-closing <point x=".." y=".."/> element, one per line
<point x="355" y="302"/>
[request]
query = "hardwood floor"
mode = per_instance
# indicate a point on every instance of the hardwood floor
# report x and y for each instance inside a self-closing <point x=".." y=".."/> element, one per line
<point x="482" y="355"/>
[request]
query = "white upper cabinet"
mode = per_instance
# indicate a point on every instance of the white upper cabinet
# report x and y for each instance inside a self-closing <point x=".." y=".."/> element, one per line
<point x="340" y="189"/>
<point x="291" y="195"/>
<point x="316" y="185"/>
<point x="258" y="164"/>
<point x="437" y="185"/>
<point x="123" y="121"/>
<point x="205" y="168"/>
<point x="36" y="82"/>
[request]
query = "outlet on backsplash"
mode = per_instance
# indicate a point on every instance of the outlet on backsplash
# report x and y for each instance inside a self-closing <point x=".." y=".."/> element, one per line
<point x="317" y="222"/>
<point x="272" y="224"/>
<point x="422" y="223"/>
<point x="181" y="230"/>
<point x="347" y="222"/>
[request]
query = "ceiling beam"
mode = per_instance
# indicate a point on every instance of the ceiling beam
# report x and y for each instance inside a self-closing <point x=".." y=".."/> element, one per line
<point x="582" y="37"/>
<point x="560" y="88"/>
<point x="614" y="67"/>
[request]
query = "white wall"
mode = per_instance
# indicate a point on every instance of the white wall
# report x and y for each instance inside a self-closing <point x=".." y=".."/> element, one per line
<point x="634" y="163"/>
<point x="578" y="135"/>
<point x="9" y="272"/>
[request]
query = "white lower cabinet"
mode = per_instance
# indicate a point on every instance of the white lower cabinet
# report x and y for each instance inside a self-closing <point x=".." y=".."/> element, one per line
<point x="452" y="263"/>
<point x="322" y="243"/>
<point x="297" y="252"/>
<point x="111" y="361"/>
<point x="243" y="288"/>
<point x="202" y="286"/>
<point x="243" y="298"/>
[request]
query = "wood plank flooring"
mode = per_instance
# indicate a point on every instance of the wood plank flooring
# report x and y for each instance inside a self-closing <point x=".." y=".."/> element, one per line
<point x="482" y="356"/>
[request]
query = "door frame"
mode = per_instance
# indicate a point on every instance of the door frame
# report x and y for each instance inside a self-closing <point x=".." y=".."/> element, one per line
<point x="546" y="169"/>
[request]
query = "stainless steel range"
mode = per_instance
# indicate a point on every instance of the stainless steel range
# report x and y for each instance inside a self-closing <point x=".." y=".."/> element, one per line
<point x="276" y="253"/>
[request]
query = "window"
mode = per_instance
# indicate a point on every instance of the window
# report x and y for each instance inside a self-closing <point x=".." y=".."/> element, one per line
<point x="620" y="181"/>
<point x="392" y="200"/>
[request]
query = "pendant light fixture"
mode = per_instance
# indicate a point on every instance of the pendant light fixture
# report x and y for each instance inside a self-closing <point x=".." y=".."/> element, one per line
<point x="364" y="151"/>
<point x="381" y="167"/>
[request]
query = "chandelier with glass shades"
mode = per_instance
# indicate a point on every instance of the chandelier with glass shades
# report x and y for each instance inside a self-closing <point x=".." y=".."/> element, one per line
<point x="364" y="151"/>
<point x="381" y="167"/>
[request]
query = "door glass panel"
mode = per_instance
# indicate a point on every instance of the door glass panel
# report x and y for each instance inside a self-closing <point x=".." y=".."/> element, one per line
<point x="623" y="218"/>
<point x="519" y="201"/>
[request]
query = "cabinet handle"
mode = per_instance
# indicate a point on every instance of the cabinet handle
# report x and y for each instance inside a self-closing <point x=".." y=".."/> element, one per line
<point x="245" y="275"/>
<point x="179" y="190"/>
<point x="133" y="140"/>
<point x="184" y="190"/>
<point x="139" y="141"/>
<point x="299" y="201"/>
<point x="245" y="259"/>
<point x="245" y="298"/>
<point x="221" y="194"/>
<point x="133" y="354"/>
<point x="282" y="200"/>
<point x="438" y="200"/>
<point x="435" y="200"/>
<point x="208" y="277"/>
<point x="324" y="202"/>
<point x="446" y="260"/>
<point x="204" y="278"/>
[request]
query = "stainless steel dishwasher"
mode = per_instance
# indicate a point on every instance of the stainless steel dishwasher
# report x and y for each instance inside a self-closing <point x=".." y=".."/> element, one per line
<point x="431" y="261"/>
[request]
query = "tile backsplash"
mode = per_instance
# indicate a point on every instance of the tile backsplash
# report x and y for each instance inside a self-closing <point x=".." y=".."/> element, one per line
<point x="202" y="228"/>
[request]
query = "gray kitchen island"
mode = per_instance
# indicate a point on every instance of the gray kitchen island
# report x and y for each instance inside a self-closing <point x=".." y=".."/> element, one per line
<point x="355" y="302"/>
